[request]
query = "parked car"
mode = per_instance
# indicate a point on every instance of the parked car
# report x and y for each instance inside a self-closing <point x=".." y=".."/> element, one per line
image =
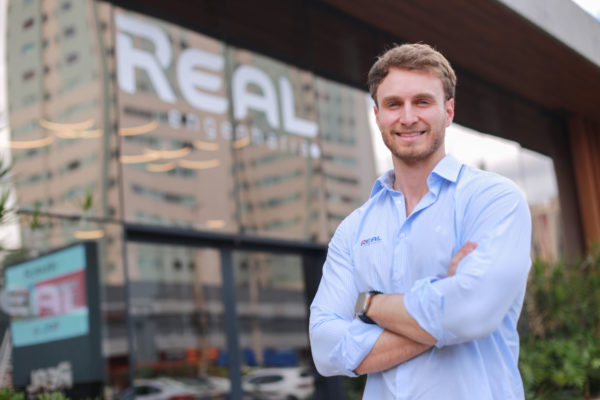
<point x="208" y="387"/>
<point x="291" y="383"/>
<point x="163" y="389"/>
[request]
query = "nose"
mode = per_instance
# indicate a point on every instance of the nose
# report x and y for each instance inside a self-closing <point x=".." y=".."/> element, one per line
<point x="408" y="116"/>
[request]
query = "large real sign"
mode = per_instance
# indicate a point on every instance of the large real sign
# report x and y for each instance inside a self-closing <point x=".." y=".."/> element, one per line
<point x="199" y="78"/>
<point x="55" y="333"/>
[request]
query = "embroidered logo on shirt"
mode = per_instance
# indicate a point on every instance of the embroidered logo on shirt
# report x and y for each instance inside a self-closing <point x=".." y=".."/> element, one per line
<point x="370" y="241"/>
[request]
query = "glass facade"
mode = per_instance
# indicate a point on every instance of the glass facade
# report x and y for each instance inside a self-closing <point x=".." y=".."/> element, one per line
<point x="221" y="138"/>
<point x="118" y="118"/>
<point x="175" y="299"/>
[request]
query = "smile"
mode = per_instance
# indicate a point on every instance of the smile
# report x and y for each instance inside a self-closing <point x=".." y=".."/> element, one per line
<point x="410" y="134"/>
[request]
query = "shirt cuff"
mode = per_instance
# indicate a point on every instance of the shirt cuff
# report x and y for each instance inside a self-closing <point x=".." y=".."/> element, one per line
<point x="355" y="345"/>
<point x="426" y="305"/>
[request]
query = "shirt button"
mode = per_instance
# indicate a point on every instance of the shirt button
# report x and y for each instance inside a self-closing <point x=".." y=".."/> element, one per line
<point x="402" y="236"/>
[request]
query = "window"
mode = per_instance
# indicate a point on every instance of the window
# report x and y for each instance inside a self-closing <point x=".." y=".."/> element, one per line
<point x="260" y="380"/>
<point x="70" y="31"/>
<point x="278" y="201"/>
<point x="27" y="48"/>
<point x="29" y="99"/>
<point x="72" y="58"/>
<point x="28" y="75"/>
<point x="28" y="23"/>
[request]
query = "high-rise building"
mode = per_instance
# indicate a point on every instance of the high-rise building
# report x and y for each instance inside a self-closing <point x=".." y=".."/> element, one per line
<point x="116" y="117"/>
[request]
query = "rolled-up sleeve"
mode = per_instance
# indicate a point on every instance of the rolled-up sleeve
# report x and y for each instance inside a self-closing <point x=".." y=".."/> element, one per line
<point x="474" y="302"/>
<point x="339" y="342"/>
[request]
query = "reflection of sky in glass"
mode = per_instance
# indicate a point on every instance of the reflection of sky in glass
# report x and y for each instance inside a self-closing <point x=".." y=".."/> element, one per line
<point x="533" y="172"/>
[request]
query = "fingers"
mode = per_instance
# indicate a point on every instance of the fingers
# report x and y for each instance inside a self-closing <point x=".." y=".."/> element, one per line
<point x="465" y="250"/>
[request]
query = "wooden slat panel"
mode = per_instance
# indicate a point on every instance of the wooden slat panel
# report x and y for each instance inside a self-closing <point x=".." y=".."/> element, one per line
<point x="585" y="146"/>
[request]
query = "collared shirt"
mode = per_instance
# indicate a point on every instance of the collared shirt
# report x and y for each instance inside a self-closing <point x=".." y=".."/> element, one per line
<point x="472" y="315"/>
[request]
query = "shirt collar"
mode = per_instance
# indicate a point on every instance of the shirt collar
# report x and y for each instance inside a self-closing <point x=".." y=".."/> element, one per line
<point x="447" y="168"/>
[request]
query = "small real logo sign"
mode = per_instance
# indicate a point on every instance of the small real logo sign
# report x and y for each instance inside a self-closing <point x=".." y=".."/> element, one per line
<point x="370" y="241"/>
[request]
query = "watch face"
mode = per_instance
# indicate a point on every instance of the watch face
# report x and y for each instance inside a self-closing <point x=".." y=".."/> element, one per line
<point x="361" y="303"/>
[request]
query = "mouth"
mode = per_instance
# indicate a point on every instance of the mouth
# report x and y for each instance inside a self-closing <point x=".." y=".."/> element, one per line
<point x="410" y="134"/>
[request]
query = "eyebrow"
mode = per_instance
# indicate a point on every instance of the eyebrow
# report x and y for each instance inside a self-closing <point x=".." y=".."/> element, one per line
<point x="425" y="95"/>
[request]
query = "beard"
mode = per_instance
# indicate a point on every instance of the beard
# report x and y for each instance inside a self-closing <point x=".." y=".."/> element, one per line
<point x="410" y="154"/>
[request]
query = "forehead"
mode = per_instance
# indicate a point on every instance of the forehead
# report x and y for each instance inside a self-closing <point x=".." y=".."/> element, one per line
<point x="408" y="83"/>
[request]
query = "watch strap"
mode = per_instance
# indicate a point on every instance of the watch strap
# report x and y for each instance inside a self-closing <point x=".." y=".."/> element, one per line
<point x="362" y="316"/>
<point x="366" y="319"/>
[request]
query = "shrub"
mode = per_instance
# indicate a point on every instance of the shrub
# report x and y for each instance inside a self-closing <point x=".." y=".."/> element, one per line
<point x="10" y="394"/>
<point x="560" y="330"/>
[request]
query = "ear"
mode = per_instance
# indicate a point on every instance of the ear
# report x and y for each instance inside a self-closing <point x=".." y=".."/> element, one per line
<point x="449" y="108"/>
<point x="376" y="111"/>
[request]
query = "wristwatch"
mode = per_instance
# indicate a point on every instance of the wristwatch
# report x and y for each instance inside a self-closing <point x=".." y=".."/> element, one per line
<point x="363" y="301"/>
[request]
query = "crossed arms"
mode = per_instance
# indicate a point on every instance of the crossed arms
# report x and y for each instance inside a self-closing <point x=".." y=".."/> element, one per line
<point x="469" y="303"/>
<point x="403" y="338"/>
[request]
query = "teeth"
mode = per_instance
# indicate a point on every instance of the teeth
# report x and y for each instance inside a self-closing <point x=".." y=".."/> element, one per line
<point x="411" y="134"/>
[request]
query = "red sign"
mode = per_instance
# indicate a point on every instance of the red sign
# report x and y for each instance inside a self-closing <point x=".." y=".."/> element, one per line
<point x="60" y="295"/>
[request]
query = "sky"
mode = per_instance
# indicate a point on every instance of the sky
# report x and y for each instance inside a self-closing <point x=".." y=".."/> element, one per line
<point x="591" y="6"/>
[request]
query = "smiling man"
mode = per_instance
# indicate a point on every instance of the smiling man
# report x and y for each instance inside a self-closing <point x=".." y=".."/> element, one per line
<point x="423" y="284"/>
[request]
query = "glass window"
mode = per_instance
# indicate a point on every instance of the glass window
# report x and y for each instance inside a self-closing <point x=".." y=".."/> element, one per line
<point x="271" y="309"/>
<point x="69" y="31"/>
<point x="531" y="171"/>
<point x="27" y="48"/>
<point x="28" y="23"/>
<point x="72" y="58"/>
<point x="254" y="138"/>
<point x="27" y="75"/>
<point x="178" y="321"/>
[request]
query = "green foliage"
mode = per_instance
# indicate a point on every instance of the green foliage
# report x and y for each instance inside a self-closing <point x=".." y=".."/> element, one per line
<point x="560" y="331"/>
<point x="354" y="387"/>
<point x="10" y="394"/>
<point x="87" y="200"/>
<point x="5" y="210"/>
<point x="14" y="256"/>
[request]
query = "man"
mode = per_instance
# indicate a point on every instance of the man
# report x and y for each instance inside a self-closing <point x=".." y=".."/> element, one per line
<point x="438" y="330"/>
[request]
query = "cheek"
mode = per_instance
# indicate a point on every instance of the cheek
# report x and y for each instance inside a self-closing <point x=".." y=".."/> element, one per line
<point x="384" y="121"/>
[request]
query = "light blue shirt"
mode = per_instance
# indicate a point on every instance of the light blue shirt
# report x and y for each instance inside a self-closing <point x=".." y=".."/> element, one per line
<point x="473" y="314"/>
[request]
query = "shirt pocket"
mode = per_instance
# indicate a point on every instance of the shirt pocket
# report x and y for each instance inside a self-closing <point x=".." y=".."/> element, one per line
<point x="431" y="248"/>
<point x="372" y="265"/>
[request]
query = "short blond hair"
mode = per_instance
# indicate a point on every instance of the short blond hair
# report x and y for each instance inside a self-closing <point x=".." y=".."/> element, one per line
<point x="413" y="56"/>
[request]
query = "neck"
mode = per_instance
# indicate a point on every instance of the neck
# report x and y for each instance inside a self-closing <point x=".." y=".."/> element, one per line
<point x="411" y="179"/>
